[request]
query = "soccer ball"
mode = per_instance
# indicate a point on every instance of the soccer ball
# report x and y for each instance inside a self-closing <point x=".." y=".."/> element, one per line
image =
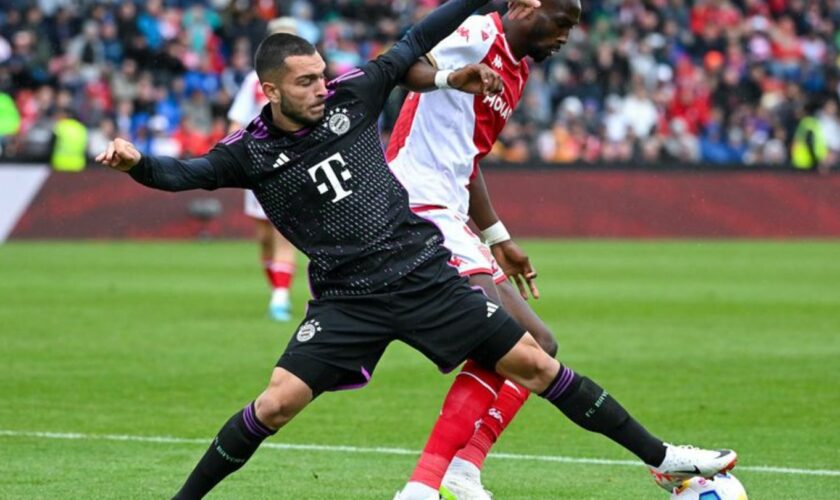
<point x="721" y="487"/>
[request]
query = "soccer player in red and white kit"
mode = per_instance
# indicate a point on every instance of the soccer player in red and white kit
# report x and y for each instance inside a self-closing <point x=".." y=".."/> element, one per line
<point x="434" y="151"/>
<point x="277" y="254"/>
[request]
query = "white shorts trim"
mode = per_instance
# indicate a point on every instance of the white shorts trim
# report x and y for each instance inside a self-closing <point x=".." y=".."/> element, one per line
<point x="469" y="254"/>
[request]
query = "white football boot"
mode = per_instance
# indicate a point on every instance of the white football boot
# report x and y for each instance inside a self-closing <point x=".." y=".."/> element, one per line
<point x="463" y="482"/>
<point x="417" y="491"/>
<point x="685" y="462"/>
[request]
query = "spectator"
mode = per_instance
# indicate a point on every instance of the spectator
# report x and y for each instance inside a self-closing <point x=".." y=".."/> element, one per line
<point x="639" y="112"/>
<point x="86" y="52"/>
<point x="646" y="76"/>
<point x="681" y="145"/>
<point x="9" y="116"/>
<point x="100" y="136"/>
<point x="830" y="124"/>
<point x="69" y="152"/>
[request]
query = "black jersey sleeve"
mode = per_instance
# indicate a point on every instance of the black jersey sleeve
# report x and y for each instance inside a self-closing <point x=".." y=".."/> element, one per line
<point x="219" y="168"/>
<point x="380" y="75"/>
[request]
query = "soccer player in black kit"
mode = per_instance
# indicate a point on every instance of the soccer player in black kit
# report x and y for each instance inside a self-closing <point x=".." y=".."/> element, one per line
<point x="378" y="272"/>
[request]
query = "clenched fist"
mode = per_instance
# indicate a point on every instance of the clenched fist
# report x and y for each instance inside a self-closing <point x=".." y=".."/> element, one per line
<point x="121" y="155"/>
<point x="476" y="79"/>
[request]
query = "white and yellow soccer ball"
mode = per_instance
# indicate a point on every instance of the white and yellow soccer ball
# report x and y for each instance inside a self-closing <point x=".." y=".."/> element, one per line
<point x="721" y="487"/>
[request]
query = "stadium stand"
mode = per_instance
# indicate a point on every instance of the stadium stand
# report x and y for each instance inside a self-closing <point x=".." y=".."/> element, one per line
<point x="641" y="81"/>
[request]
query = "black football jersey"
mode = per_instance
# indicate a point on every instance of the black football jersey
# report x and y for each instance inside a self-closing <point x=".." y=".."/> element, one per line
<point x="330" y="192"/>
<point x="328" y="188"/>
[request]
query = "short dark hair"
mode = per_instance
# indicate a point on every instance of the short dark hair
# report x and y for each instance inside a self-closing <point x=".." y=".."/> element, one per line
<point x="274" y="49"/>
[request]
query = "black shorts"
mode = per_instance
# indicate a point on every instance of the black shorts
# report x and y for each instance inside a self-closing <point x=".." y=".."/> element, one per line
<point x="432" y="309"/>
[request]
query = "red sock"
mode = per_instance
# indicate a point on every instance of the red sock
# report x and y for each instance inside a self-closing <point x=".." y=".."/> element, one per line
<point x="511" y="398"/>
<point x="472" y="393"/>
<point x="279" y="274"/>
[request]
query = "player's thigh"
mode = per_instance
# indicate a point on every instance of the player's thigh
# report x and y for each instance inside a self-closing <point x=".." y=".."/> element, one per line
<point x="488" y="287"/>
<point x="521" y="311"/>
<point x="338" y="344"/>
<point x="527" y="364"/>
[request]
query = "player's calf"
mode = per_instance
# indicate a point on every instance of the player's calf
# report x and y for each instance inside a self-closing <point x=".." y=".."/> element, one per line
<point x="519" y="309"/>
<point x="234" y="444"/>
<point x="243" y="433"/>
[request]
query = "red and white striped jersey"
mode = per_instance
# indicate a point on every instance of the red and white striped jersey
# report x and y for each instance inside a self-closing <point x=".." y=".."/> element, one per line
<point x="440" y="136"/>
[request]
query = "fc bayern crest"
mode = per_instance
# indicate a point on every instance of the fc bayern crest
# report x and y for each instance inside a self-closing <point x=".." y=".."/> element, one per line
<point x="308" y="330"/>
<point x="338" y="122"/>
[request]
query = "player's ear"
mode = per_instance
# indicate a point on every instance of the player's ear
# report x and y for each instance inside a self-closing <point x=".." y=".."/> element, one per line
<point x="272" y="93"/>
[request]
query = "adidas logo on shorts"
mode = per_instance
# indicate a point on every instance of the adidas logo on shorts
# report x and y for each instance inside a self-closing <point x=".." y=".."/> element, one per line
<point x="491" y="308"/>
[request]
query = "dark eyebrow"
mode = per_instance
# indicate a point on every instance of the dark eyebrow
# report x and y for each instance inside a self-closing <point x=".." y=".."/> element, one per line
<point x="310" y="76"/>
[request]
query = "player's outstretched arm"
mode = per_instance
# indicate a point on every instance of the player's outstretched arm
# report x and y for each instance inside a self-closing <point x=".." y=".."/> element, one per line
<point x="216" y="169"/>
<point x="477" y="79"/>
<point x="510" y="256"/>
<point x="386" y="71"/>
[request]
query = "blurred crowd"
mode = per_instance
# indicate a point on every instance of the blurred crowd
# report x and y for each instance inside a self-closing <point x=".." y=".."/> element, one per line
<point x="641" y="81"/>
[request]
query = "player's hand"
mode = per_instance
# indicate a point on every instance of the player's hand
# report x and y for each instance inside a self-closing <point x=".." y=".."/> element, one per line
<point x="517" y="266"/>
<point x="520" y="9"/>
<point x="121" y="155"/>
<point x="476" y="79"/>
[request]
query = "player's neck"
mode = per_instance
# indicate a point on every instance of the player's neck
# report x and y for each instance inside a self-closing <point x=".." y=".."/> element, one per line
<point x="283" y="122"/>
<point x="514" y="37"/>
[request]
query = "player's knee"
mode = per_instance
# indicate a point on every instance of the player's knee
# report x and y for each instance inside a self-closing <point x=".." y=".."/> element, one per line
<point x="273" y="410"/>
<point x="277" y="405"/>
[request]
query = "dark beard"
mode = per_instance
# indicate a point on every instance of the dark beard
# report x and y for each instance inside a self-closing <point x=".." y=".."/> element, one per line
<point x="295" y="114"/>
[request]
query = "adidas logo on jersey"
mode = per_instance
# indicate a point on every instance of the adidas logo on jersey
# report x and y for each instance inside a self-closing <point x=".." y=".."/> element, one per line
<point x="281" y="160"/>
<point x="491" y="308"/>
<point x="497" y="62"/>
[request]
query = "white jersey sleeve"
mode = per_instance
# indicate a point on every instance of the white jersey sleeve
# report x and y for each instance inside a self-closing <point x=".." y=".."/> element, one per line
<point x="466" y="45"/>
<point x="247" y="104"/>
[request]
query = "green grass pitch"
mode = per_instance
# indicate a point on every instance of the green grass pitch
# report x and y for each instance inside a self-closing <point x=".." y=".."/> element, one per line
<point x="711" y="343"/>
